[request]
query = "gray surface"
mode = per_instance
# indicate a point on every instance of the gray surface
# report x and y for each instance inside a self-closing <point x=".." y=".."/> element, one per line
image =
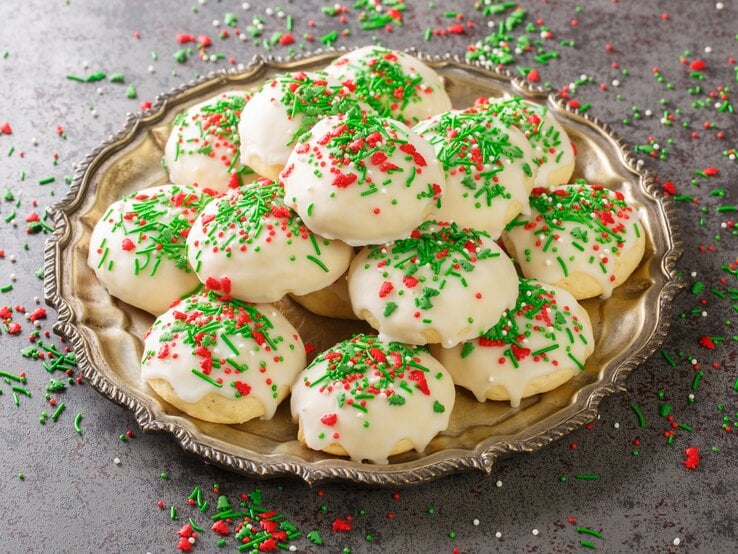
<point x="75" y="499"/>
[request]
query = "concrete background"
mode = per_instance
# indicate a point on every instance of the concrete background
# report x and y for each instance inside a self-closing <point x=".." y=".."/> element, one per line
<point x="74" y="498"/>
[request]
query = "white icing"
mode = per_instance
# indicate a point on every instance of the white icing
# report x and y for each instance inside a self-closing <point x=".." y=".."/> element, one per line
<point x="373" y="435"/>
<point x="264" y="260"/>
<point x="268" y="126"/>
<point x="199" y="130"/>
<point x="116" y="248"/>
<point x="469" y="198"/>
<point x="593" y="258"/>
<point x="491" y="365"/>
<point x="173" y="360"/>
<point x="354" y="214"/>
<point x="427" y="98"/>
<point x="466" y="305"/>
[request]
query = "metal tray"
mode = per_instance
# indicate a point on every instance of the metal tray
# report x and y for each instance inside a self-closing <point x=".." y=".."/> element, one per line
<point x="106" y="333"/>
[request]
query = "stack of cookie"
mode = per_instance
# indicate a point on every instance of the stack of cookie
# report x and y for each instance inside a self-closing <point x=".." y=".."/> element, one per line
<point x="361" y="193"/>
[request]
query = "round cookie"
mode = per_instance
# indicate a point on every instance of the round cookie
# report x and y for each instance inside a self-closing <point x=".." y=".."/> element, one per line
<point x="369" y="399"/>
<point x="362" y="179"/>
<point x="553" y="151"/>
<point x="203" y="147"/>
<point x="137" y="248"/>
<point x="535" y="347"/>
<point x="332" y="301"/>
<point x="395" y="84"/>
<point x="488" y="168"/>
<point x="256" y="249"/>
<point x="223" y="361"/>
<point x="443" y="284"/>
<point x="583" y="238"/>
<point x="286" y="107"/>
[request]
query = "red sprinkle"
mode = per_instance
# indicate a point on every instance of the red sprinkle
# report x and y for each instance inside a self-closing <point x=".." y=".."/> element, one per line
<point x="707" y="342"/>
<point x="385" y="289"/>
<point x="693" y="457"/>
<point x="341" y="525"/>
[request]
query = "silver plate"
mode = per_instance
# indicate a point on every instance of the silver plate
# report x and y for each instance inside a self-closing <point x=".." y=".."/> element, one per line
<point x="106" y="333"/>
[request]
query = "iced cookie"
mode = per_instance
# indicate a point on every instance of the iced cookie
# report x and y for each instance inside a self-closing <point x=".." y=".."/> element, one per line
<point x="362" y="179"/>
<point x="395" y="84"/>
<point x="553" y="152"/>
<point x="259" y="249"/>
<point x="223" y="361"/>
<point x="535" y="347"/>
<point x="137" y="249"/>
<point x="583" y="238"/>
<point x="203" y="147"/>
<point x="286" y="107"/>
<point x="369" y="399"/>
<point x="488" y="166"/>
<point x="443" y="284"/>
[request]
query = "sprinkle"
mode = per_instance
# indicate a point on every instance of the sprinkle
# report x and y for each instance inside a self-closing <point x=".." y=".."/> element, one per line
<point x="58" y="411"/>
<point x="77" y="422"/>
<point x="639" y="414"/>
<point x="204" y="377"/>
<point x="588" y="531"/>
<point x="668" y="358"/>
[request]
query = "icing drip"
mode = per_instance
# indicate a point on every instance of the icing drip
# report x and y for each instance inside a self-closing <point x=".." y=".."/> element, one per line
<point x="367" y="395"/>
<point x="547" y="331"/>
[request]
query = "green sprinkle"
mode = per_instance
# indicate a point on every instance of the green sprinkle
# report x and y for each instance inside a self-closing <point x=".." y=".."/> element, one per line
<point x="588" y="531"/>
<point x="117" y="78"/>
<point x="77" y="422"/>
<point x="131" y="92"/>
<point x="696" y="380"/>
<point x="58" y="411"/>
<point x="639" y="414"/>
<point x="46" y="180"/>
<point x="317" y="262"/>
<point x="563" y="266"/>
<point x="314" y="537"/>
<point x="587" y="476"/>
<point x="207" y="378"/>
<point x="99" y="76"/>
<point x="587" y="544"/>
<point x="173" y="513"/>
<point x="668" y="358"/>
